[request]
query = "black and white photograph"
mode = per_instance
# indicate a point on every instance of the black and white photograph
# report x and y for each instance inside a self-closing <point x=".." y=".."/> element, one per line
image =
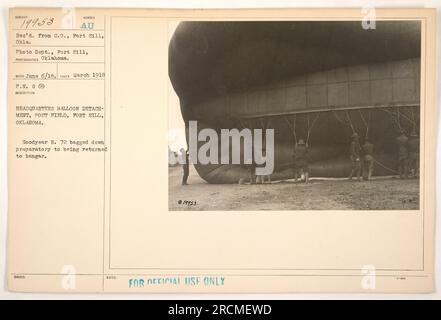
<point x="258" y="152"/>
<point x="294" y="115"/>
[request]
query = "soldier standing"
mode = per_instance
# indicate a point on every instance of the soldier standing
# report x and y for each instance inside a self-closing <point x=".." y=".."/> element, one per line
<point x="262" y="178"/>
<point x="251" y="168"/>
<point x="414" y="154"/>
<point x="403" y="154"/>
<point x="368" y="158"/>
<point x="185" y="166"/>
<point x="355" y="150"/>
<point x="301" y="160"/>
<point x="266" y="177"/>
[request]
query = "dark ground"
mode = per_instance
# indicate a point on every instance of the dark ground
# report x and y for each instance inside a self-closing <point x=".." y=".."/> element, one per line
<point x="382" y="193"/>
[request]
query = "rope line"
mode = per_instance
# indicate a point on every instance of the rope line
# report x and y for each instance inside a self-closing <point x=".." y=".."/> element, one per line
<point x="393" y="118"/>
<point x="369" y="124"/>
<point x="362" y="118"/>
<point x="413" y="119"/>
<point x="366" y="123"/>
<point x="350" y="121"/>
<point x="339" y="119"/>
<point x="292" y="127"/>
<point x="406" y="117"/>
<point x="387" y="168"/>
<point x="310" y="127"/>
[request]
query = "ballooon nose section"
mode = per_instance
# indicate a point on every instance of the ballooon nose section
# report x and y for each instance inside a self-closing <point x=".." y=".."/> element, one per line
<point x="319" y="82"/>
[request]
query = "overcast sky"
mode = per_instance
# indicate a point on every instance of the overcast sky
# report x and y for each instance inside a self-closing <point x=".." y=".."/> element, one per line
<point x="176" y="126"/>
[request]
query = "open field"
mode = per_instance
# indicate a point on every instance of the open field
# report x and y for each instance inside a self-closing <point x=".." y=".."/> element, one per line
<point x="388" y="193"/>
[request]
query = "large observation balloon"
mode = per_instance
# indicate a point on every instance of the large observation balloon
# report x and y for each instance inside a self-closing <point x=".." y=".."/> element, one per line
<point x="326" y="78"/>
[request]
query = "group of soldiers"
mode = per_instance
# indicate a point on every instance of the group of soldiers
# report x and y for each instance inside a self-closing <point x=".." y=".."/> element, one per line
<point x="408" y="155"/>
<point x="361" y="156"/>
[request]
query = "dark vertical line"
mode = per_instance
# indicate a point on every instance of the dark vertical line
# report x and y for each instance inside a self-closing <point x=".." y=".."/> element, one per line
<point x="348" y="85"/>
<point x="370" y="84"/>
<point x="327" y="88"/>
